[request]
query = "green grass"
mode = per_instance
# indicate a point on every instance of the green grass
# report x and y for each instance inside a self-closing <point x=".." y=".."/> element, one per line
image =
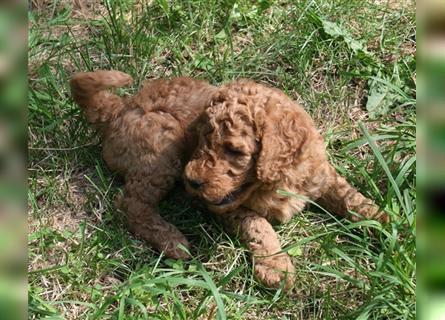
<point x="352" y="65"/>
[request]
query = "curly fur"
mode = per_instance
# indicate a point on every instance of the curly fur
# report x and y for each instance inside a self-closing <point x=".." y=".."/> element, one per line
<point x="148" y="139"/>
<point x="235" y="145"/>
<point x="255" y="141"/>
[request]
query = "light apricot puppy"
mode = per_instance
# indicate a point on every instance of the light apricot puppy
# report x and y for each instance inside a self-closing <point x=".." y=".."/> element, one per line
<point x="254" y="140"/>
<point x="235" y="145"/>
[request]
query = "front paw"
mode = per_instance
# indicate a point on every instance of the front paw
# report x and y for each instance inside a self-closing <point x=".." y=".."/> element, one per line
<point x="273" y="270"/>
<point x="172" y="246"/>
<point x="164" y="238"/>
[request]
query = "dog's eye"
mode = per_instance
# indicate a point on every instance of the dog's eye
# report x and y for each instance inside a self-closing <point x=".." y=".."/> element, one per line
<point x="232" y="151"/>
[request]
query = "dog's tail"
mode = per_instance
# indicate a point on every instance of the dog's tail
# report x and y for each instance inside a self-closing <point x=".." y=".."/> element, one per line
<point x="91" y="91"/>
<point x="340" y="198"/>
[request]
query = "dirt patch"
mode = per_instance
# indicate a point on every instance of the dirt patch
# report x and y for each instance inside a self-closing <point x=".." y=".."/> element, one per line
<point x="64" y="210"/>
<point x="395" y="4"/>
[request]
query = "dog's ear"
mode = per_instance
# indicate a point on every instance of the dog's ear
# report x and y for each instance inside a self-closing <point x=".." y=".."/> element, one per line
<point x="282" y="131"/>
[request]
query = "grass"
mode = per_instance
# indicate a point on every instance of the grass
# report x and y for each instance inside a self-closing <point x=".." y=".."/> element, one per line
<point x="352" y="65"/>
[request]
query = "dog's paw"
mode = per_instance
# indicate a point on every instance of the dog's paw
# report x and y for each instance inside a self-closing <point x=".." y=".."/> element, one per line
<point x="120" y="79"/>
<point x="172" y="246"/>
<point x="271" y="271"/>
<point x="163" y="237"/>
<point x="110" y="78"/>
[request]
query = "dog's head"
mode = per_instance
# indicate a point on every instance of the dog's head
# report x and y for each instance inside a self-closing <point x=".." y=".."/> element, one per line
<point x="247" y="138"/>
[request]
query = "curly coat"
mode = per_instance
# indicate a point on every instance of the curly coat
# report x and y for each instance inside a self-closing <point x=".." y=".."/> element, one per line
<point x="255" y="141"/>
<point x="235" y="145"/>
<point x="147" y="138"/>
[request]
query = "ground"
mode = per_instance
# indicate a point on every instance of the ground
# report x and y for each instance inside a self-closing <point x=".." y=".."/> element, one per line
<point x="351" y="63"/>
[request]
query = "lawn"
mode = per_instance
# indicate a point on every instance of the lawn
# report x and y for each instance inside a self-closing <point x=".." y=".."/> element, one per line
<point x="350" y="63"/>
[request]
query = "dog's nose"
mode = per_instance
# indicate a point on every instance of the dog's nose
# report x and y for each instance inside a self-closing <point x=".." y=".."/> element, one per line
<point x="195" y="184"/>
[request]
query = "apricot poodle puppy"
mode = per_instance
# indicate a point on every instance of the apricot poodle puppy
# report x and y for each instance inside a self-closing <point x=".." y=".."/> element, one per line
<point x="235" y="146"/>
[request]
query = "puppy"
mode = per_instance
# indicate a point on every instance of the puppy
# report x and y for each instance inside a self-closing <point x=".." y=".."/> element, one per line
<point x="253" y="141"/>
<point x="235" y="146"/>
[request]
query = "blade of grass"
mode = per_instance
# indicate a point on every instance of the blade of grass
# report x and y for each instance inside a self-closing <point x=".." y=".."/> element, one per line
<point x="382" y="162"/>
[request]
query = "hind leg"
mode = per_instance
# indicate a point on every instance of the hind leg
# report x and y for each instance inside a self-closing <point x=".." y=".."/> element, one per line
<point x="141" y="204"/>
<point x="90" y="91"/>
<point x="338" y="196"/>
